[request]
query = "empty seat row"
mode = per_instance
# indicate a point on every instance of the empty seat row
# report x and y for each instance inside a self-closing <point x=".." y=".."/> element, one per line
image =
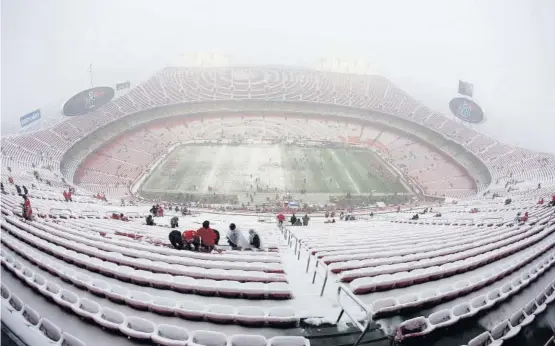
<point x="367" y="285"/>
<point x="224" y="288"/>
<point x="135" y="328"/>
<point x="114" y="246"/>
<point x="506" y="329"/>
<point x="28" y="317"/>
<point x="429" y="257"/>
<point x="391" y="305"/>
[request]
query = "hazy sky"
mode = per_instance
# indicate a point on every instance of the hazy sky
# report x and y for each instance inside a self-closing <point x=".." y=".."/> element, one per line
<point x="505" y="47"/>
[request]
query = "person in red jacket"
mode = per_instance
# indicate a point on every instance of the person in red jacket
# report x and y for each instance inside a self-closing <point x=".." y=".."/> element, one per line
<point x="281" y="218"/>
<point x="69" y="196"/>
<point x="27" y="210"/>
<point x="524" y="218"/>
<point x="207" y="237"/>
<point x="191" y="240"/>
<point x="65" y="196"/>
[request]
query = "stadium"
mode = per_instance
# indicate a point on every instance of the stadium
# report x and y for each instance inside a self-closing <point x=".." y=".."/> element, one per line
<point x="418" y="229"/>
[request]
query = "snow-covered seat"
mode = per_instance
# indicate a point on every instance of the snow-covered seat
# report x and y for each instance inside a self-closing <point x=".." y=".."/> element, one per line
<point x="207" y="338"/>
<point x="282" y="317"/>
<point x="110" y="318"/>
<point x="66" y="274"/>
<point x="138" y="300"/>
<point x="141" y="277"/>
<point x="32" y="318"/>
<point x="220" y="313"/>
<point x="385" y="305"/>
<point x="442" y="318"/>
<point x="520" y="318"/>
<point x="126" y="273"/>
<point x="50" y="290"/>
<point x="549" y="294"/>
<point x="117" y="293"/>
<point x="230" y="289"/>
<point x="98" y="287"/>
<point x="108" y="268"/>
<point x="254" y="290"/>
<point x="506" y="289"/>
<point x="67" y="299"/>
<point x="162" y="305"/>
<point x="87" y="308"/>
<point x="484" y="339"/>
<point x="250" y="316"/>
<point x="138" y="328"/>
<point x="50" y="330"/>
<point x="494" y="295"/>
<point x="190" y="310"/>
<point x="247" y="340"/>
<point x="6" y="293"/>
<point x="540" y="303"/>
<point x="169" y="335"/>
<point x="414" y="327"/>
<point x="183" y="284"/>
<point x="160" y="280"/>
<point x="288" y="341"/>
<point x="70" y="340"/>
<point x="278" y="290"/>
<point x="530" y="308"/>
<point x="81" y="280"/>
<point x="408" y="301"/>
<point x="27" y="274"/>
<point x="504" y="331"/>
<point x="206" y="287"/>
<point x="480" y="302"/>
<point x="462" y="310"/>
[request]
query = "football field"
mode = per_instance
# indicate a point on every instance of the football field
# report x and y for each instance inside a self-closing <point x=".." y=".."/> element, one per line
<point x="271" y="168"/>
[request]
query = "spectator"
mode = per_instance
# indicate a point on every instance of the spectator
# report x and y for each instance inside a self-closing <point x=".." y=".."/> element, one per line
<point x="235" y="238"/>
<point x="541" y="201"/>
<point x="114" y="216"/>
<point x="2" y="188"/>
<point x="65" y="196"/>
<point x="280" y="219"/>
<point x="327" y="214"/>
<point x="150" y="221"/>
<point x="524" y="218"/>
<point x="69" y="195"/>
<point x="27" y="210"/>
<point x="207" y="237"/>
<point x="332" y="215"/>
<point x="305" y="220"/>
<point x="25" y="191"/>
<point x="18" y="189"/>
<point x="217" y="233"/>
<point x="123" y="218"/>
<point x="191" y="240"/>
<point x="415" y="217"/>
<point x="153" y="210"/>
<point x="254" y="239"/>
<point x="174" y="222"/>
<point x="176" y="240"/>
<point x="293" y="219"/>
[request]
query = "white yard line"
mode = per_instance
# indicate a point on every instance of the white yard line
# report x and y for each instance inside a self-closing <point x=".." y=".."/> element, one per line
<point x="336" y="159"/>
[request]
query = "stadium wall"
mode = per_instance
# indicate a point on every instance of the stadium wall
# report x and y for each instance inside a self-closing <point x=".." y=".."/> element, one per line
<point x="100" y="137"/>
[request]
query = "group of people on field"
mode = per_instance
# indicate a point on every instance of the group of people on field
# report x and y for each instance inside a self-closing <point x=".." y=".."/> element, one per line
<point x="206" y="238"/>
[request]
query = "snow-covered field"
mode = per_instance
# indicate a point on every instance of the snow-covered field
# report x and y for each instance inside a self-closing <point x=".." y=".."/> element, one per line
<point x="279" y="168"/>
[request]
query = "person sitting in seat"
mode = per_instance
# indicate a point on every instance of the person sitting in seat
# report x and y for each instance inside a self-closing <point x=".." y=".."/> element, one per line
<point x="438" y="215"/>
<point x="150" y="220"/>
<point x="191" y="240"/>
<point x="254" y="239"/>
<point x="298" y="222"/>
<point x="235" y="238"/>
<point x="217" y="233"/>
<point x="114" y="216"/>
<point x="2" y="188"/>
<point x="174" y="222"/>
<point x="541" y="201"/>
<point x="523" y="218"/>
<point x="207" y="237"/>
<point x="123" y="218"/>
<point x="176" y="240"/>
<point x="415" y="217"/>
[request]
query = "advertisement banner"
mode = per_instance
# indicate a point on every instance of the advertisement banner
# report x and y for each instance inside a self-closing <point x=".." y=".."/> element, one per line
<point x="124" y="85"/>
<point x="30" y="118"/>
<point x="88" y="100"/>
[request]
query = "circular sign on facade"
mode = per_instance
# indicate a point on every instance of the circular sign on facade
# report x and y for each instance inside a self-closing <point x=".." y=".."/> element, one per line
<point x="467" y="110"/>
<point x="88" y="100"/>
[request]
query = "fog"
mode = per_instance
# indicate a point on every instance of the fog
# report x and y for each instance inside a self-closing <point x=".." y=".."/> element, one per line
<point x="505" y="47"/>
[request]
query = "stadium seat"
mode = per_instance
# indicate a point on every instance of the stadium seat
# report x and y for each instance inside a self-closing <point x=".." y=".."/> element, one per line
<point x="169" y="335"/>
<point x="138" y="328"/>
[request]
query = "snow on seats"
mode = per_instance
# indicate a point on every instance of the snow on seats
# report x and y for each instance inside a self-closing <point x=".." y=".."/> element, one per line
<point x="110" y="318"/>
<point x="282" y="317"/>
<point x="32" y="317"/>
<point x="288" y="341"/>
<point x="484" y="339"/>
<point x="138" y="328"/>
<point x="162" y="305"/>
<point x="87" y="308"/>
<point x="169" y="335"/>
<point x="504" y="331"/>
<point x="138" y="300"/>
<point x="190" y="310"/>
<point x="251" y="316"/>
<point x="220" y="313"/>
<point x="50" y="330"/>
<point x="207" y="338"/>
<point x="247" y="340"/>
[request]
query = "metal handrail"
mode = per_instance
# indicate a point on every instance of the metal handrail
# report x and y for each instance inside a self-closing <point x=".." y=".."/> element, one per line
<point x="325" y="276"/>
<point x="363" y="327"/>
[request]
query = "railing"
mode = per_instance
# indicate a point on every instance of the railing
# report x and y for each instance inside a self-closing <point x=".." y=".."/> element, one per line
<point x="323" y="276"/>
<point x="365" y="325"/>
<point x="492" y="220"/>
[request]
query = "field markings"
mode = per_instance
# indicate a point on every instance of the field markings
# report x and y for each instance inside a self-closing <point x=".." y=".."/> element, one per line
<point x="217" y="161"/>
<point x="347" y="173"/>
